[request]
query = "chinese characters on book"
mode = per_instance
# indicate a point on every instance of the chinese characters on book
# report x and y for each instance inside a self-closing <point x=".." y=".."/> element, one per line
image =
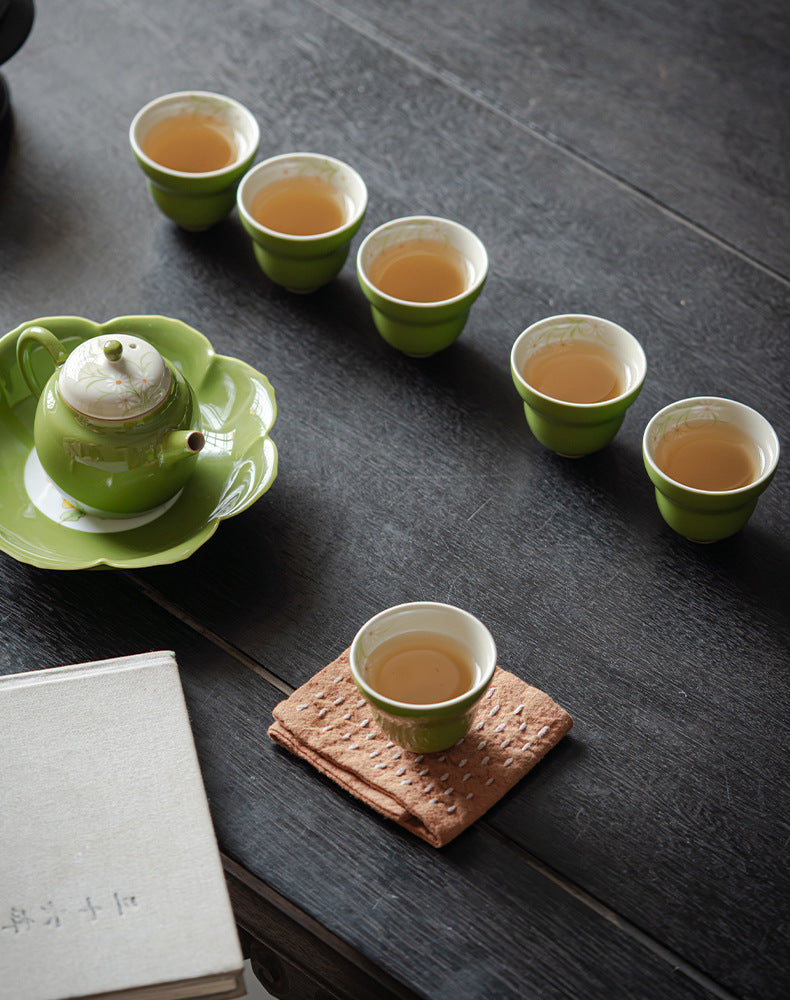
<point x="53" y="914"/>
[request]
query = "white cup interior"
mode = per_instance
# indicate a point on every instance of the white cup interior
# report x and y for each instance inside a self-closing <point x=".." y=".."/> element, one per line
<point x="235" y="116"/>
<point x="426" y="227"/>
<point x="340" y="175"/>
<point x="578" y="326"/>
<point x="714" y="408"/>
<point x="426" y="616"/>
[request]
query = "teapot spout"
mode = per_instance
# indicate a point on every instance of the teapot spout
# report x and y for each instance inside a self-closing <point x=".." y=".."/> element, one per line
<point x="182" y="444"/>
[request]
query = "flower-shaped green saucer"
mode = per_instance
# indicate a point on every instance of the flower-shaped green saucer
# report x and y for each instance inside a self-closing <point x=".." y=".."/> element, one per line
<point x="238" y="463"/>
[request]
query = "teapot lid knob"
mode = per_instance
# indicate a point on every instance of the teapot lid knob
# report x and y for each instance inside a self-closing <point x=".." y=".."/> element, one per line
<point x="113" y="349"/>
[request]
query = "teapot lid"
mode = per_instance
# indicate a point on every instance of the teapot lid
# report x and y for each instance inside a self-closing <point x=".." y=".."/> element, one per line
<point x="115" y="377"/>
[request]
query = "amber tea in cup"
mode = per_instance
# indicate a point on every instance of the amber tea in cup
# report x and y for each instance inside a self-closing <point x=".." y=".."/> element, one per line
<point x="301" y="211"/>
<point x="711" y="455"/>
<point x="421" y="274"/>
<point x="421" y="668"/>
<point x="419" y="271"/>
<point x="300" y="205"/>
<point x="194" y="147"/>
<point x="709" y="459"/>
<point x="577" y="375"/>
<point x="575" y="371"/>
<point x="191" y="141"/>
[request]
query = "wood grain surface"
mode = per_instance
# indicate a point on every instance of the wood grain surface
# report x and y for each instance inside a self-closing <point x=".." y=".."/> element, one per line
<point x="623" y="160"/>
<point x="685" y="102"/>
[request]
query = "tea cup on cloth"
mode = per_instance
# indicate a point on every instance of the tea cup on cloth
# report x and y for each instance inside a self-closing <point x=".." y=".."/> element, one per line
<point x="423" y="667"/>
<point x="194" y="147"/>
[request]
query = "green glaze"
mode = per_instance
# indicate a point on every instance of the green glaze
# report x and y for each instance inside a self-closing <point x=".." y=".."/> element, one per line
<point x="413" y="329"/>
<point x="702" y="515"/>
<point x="300" y="267"/>
<point x="113" y="350"/>
<point x="703" y="525"/>
<point x="572" y="434"/>
<point x="115" y="466"/>
<point x="424" y="728"/>
<point x="576" y="429"/>
<point x="237" y="466"/>
<point x="192" y="210"/>
<point x="420" y="329"/>
<point x="302" y="263"/>
<point x="196" y="201"/>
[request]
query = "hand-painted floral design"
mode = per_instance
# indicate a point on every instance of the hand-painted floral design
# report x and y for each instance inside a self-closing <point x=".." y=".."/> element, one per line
<point x="102" y="382"/>
<point x="581" y="329"/>
<point x="71" y="512"/>
<point x="680" y="415"/>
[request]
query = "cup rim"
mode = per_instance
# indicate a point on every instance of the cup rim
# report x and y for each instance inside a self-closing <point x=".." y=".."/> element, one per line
<point x="640" y="363"/>
<point x="176" y="96"/>
<point x="770" y="466"/>
<point x="476" y="689"/>
<point x="412" y="219"/>
<point x="302" y="155"/>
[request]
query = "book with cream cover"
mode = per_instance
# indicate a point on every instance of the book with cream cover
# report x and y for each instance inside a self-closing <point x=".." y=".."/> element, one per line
<point x="111" y="883"/>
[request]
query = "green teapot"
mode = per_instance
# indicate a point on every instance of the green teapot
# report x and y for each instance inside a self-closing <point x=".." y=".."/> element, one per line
<point x="116" y="428"/>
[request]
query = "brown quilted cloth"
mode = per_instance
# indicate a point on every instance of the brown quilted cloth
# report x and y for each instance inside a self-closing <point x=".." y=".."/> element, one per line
<point x="328" y="723"/>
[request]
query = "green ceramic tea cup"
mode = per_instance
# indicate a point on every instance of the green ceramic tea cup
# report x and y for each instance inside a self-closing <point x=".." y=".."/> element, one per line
<point x="196" y="200"/>
<point x="576" y="429"/>
<point x="303" y="262"/>
<point x="421" y="328"/>
<point x="709" y="515"/>
<point x="425" y="728"/>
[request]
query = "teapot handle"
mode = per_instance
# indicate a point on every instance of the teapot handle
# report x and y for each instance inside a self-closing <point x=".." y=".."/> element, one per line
<point x="29" y="339"/>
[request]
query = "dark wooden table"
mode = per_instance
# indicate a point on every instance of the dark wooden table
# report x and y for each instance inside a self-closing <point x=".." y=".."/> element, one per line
<point x="625" y="159"/>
